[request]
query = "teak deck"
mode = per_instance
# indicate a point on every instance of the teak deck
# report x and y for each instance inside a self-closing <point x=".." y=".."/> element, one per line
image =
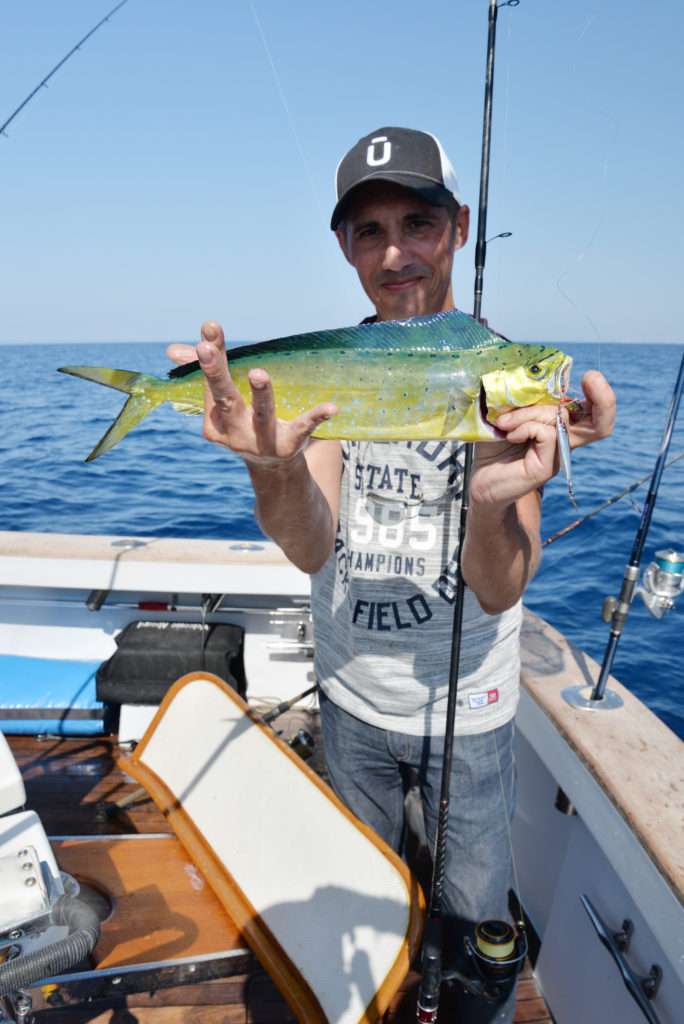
<point x="74" y="786"/>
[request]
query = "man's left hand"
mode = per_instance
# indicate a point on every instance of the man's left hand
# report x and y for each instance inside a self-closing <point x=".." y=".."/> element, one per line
<point x="505" y="471"/>
<point x="592" y="422"/>
<point x="597" y="416"/>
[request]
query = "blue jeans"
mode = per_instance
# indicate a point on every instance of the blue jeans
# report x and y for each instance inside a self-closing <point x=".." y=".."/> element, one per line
<point x="367" y="768"/>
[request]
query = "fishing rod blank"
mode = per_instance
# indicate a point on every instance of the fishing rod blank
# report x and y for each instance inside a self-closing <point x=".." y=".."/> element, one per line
<point x="431" y="957"/>
<point x="56" y="68"/>
<point x="602" y="699"/>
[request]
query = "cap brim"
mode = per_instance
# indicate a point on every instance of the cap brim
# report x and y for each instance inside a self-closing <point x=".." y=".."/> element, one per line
<point x="427" y="188"/>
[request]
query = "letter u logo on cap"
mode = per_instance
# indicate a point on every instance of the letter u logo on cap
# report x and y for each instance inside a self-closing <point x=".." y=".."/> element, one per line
<point x="373" y="159"/>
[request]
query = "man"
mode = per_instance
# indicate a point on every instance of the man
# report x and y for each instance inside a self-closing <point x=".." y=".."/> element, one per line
<point x="377" y="527"/>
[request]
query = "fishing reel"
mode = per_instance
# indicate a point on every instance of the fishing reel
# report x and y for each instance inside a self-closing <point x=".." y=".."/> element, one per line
<point x="302" y="744"/>
<point x="662" y="582"/>
<point x="660" y="586"/>
<point x="495" y="957"/>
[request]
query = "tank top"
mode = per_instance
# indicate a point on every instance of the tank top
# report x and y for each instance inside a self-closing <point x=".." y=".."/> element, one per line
<point x="383" y="603"/>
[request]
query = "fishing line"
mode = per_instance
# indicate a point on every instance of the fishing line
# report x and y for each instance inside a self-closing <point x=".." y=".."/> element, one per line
<point x="509" y="830"/>
<point x="72" y="51"/>
<point x="602" y="211"/>
<point x="589" y="22"/>
<point x="286" y="106"/>
<point x="506" y="168"/>
<point x="605" y="504"/>
<point x="507" y="155"/>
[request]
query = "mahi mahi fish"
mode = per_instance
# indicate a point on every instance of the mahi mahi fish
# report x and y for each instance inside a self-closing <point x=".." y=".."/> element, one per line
<point x="439" y="377"/>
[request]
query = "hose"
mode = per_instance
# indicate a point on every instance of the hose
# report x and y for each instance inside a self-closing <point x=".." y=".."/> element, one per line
<point x="84" y="931"/>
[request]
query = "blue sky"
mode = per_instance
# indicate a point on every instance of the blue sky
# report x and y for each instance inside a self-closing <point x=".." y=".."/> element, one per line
<point x="165" y="176"/>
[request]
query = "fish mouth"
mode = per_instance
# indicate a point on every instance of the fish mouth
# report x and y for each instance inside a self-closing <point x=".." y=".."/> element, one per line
<point x="559" y="381"/>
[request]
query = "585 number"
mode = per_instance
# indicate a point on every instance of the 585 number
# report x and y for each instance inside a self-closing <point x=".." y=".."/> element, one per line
<point x="414" y="531"/>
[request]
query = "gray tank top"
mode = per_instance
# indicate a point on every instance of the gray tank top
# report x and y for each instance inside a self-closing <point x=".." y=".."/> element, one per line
<point x="383" y="603"/>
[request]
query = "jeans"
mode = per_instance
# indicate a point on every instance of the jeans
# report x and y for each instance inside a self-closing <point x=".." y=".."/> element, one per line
<point x="367" y="769"/>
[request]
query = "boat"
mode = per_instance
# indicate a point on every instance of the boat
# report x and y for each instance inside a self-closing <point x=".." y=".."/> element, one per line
<point x="597" y="830"/>
<point x="182" y="859"/>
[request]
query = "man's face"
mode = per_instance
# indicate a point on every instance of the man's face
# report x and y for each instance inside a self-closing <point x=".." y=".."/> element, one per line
<point x="403" y="249"/>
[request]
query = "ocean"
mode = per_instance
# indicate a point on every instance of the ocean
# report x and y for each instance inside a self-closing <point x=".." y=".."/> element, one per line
<point x="165" y="480"/>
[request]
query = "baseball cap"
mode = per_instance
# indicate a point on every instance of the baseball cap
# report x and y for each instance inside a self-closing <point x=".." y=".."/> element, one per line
<point x="404" y="156"/>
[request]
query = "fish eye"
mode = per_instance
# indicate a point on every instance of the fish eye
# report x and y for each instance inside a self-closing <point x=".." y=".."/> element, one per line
<point x="535" y="370"/>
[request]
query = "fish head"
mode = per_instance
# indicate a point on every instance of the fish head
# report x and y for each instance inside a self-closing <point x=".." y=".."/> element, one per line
<point x="535" y="375"/>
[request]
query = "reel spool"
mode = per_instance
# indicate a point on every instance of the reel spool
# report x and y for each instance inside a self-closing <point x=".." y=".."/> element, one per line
<point x="497" y="954"/>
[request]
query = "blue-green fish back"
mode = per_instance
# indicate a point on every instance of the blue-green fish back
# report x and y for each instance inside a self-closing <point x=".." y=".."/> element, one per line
<point x="448" y="331"/>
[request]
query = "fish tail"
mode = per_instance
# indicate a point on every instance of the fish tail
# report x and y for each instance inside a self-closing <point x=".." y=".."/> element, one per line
<point x="145" y="394"/>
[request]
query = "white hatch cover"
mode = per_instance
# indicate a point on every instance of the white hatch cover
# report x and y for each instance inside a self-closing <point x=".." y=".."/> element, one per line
<point x="330" y="910"/>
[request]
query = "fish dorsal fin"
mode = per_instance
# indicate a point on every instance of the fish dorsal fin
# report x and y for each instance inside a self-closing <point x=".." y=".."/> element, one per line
<point x="452" y="329"/>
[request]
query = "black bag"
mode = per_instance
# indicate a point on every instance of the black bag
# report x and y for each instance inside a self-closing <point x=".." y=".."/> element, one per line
<point x="153" y="655"/>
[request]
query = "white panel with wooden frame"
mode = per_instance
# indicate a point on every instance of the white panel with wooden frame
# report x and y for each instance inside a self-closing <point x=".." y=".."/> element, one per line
<point x="333" y="914"/>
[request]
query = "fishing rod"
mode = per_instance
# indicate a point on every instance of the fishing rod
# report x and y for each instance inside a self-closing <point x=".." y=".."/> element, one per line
<point x="606" y="504"/>
<point x="72" y="51"/>
<point x="431" y="958"/>
<point x="673" y="566"/>
<point x="664" y="579"/>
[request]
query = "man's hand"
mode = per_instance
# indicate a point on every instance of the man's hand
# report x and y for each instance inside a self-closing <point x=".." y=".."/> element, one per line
<point x="504" y="471"/>
<point x="503" y="546"/>
<point x="597" y="418"/>
<point x="592" y="422"/>
<point x="254" y="432"/>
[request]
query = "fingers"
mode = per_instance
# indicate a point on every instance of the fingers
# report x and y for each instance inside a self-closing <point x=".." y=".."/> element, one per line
<point x="533" y="430"/>
<point x="212" y="357"/>
<point x="597" y="416"/>
<point x="181" y="354"/>
<point x="222" y="398"/>
<point x="253" y="431"/>
<point x="524" y="463"/>
<point x="263" y="411"/>
<point x="305" y="425"/>
<point x="538" y="413"/>
<point x="602" y="402"/>
<point x="595" y="421"/>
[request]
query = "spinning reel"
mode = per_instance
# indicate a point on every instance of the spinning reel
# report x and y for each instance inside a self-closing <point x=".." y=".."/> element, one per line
<point x="663" y="582"/>
<point x="494" y="958"/>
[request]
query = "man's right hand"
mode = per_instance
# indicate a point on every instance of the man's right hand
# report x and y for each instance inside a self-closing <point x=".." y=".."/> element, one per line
<point x="254" y="432"/>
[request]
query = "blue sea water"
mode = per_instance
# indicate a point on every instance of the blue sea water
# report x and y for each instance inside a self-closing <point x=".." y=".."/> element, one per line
<point x="165" y="480"/>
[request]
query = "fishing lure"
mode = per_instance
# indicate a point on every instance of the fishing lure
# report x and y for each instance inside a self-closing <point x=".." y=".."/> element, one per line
<point x="563" y="442"/>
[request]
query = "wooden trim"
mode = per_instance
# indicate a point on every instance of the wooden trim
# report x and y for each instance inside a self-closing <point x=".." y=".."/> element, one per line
<point x="103" y="547"/>
<point x="285" y="974"/>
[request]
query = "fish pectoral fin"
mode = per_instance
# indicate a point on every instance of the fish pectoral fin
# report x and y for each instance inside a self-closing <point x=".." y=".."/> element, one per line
<point x="457" y="409"/>
<point x="465" y="422"/>
<point x="188" y="408"/>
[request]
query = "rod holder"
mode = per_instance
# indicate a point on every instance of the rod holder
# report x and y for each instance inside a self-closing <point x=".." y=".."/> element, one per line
<point x="581" y="697"/>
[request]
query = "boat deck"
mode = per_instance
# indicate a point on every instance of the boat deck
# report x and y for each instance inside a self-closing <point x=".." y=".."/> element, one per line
<point x="75" y="786"/>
